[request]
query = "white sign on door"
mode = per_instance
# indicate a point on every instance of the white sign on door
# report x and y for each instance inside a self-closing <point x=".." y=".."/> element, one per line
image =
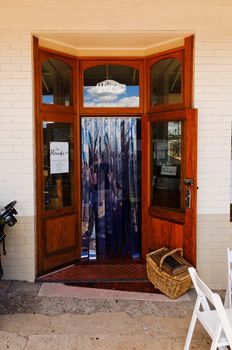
<point x="170" y="170"/>
<point x="59" y="157"/>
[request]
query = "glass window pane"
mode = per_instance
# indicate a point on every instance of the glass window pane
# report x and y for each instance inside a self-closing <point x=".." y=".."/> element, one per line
<point x="56" y="82"/>
<point x="166" y="82"/>
<point x="111" y="86"/>
<point x="166" y="167"/>
<point x="58" y="165"/>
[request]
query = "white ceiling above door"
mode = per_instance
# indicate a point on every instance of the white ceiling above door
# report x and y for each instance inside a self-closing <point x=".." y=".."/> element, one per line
<point x="141" y="43"/>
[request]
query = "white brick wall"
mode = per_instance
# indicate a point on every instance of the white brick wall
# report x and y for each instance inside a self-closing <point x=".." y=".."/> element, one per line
<point x="16" y="151"/>
<point x="213" y="237"/>
<point x="20" y="248"/>
<point x="16" y="121"/>
<point x="213" y="98"/>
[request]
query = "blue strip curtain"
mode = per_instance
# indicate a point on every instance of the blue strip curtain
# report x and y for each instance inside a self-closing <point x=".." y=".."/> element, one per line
<point x="111" y="187"/>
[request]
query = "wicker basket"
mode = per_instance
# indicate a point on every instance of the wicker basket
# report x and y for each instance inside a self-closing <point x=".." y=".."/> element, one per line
<point x="171" y="281"/>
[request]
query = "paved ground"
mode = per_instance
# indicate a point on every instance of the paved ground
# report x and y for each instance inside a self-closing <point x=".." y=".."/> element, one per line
<point x="31" y="318"/>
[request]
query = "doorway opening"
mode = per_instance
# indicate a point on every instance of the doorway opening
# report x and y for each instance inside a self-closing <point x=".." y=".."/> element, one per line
<point x="111" y="188"/>
<point x="92" y="116"/>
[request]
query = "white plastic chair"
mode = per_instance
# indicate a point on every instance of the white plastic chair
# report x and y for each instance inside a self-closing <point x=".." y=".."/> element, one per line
<point x="229" y="279"/>
<point x="217" y="322"/>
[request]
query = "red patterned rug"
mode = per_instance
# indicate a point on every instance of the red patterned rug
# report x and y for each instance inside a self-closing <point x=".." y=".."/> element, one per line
<point x="98" y="273"/>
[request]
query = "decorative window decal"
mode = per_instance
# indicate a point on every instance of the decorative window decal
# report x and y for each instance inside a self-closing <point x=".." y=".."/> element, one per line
<point x="111" y="86"/>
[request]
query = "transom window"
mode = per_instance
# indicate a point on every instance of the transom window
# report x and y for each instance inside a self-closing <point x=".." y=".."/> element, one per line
<point x="166" y="82"/>
<point x="56" y="82"/>
<point x="111" y="85"/>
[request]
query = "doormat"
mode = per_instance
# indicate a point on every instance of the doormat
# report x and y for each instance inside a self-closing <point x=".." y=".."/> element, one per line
<point x="129" y="277"/>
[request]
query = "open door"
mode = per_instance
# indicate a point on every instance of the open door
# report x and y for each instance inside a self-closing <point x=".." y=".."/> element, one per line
<point x="60" y="216"/>
<point x="169" y="155"/>
<point x="169" y="186"/>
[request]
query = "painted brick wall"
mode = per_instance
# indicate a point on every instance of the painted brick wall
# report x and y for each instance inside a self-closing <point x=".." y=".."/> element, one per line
<point x="16" y="150"/>
<point x="213" y="98"/>
<point x="213" y="237"/>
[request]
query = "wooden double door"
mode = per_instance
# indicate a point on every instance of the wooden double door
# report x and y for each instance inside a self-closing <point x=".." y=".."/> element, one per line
<point x="168" y="188"/>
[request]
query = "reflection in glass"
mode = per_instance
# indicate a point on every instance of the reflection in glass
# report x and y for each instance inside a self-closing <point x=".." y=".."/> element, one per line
<point x="58" y="164"/>
<point x="56" y="82"/>
<point x="166" y="82"/>
<point x="111" y="187"/>
<point x="166" y="156"/>
<point x="111" y="86"/>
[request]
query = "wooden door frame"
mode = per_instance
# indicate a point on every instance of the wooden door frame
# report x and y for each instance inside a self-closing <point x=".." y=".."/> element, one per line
<point x="77" y="110"/>
<point x="172" y="111"/>
<point x="56" y="113"/>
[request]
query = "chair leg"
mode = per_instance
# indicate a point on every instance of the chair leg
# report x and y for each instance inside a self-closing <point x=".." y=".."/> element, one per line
<point x="192" y="324"/>
<point x="229" y="295"/>
<point x="227" y="299"/>
<point x="227" y="302"/>
<point x="190" y="332"/>
<point x="216" y="338"/>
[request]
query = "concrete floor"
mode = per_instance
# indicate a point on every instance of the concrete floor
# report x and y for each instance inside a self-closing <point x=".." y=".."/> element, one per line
<point x="34" y="316"/>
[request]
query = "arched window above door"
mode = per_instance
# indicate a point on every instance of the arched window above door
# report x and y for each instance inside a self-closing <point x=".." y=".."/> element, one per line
<point x="169" y="78"/>
<point x="166" y="82"/>
<point x="57" y="81"/>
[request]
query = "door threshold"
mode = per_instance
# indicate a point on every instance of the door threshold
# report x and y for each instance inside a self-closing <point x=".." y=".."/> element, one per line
<point x="128" y="276"/>
<point x="143" y="286"/>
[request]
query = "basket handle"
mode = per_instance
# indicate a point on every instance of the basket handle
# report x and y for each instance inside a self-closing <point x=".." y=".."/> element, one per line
<point x="168" y="254"/>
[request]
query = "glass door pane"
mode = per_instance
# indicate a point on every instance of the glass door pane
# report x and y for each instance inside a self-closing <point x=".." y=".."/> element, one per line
<point x="166" y="164"/>
<point x="58" y="149"/>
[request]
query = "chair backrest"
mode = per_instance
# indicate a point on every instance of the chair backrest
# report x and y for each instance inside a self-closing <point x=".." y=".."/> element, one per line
<point x="203" y="291"/>
<point x="204" y="294"/>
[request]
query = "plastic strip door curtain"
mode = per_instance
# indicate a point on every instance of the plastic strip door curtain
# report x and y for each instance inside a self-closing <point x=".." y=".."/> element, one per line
<point x="111" y="187"/>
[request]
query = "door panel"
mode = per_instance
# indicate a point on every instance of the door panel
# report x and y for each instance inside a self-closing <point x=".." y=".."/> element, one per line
<point x="169" y="183"/>
<point x="60" y="243"/>
<point x="166" y="233"/>
<point x="61" y="240"/>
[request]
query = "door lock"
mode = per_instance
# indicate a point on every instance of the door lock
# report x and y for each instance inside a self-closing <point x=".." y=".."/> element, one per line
<point x="188" y="182"/>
